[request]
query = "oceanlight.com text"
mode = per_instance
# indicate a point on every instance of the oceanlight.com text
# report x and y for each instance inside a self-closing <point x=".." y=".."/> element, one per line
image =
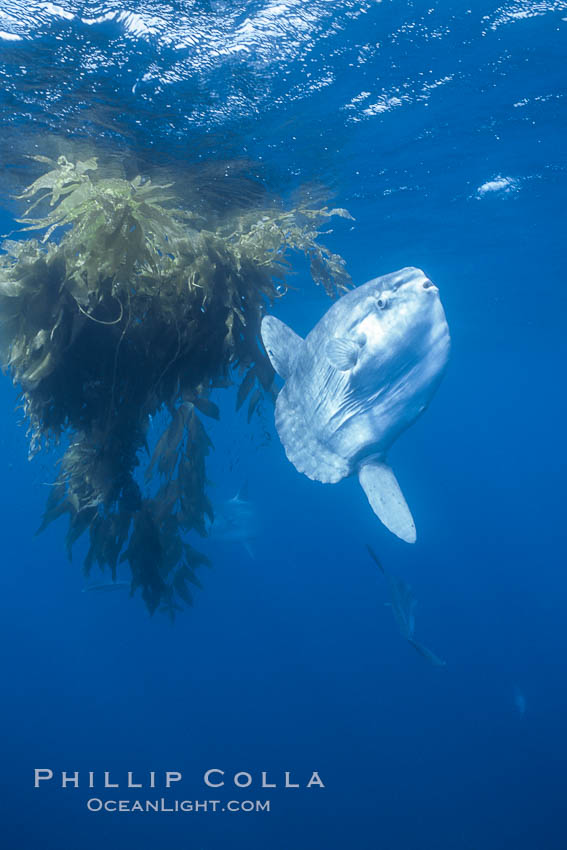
<point x="95" y="804"/>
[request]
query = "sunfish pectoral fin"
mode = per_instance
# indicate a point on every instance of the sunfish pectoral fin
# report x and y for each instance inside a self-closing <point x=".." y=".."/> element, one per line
<point x="282" y="344"/>
<point x="342" y="353"/>
<point x="386" y="499"/>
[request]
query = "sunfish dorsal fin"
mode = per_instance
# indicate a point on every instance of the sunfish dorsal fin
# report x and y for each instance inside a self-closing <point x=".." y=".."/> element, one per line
<point x="386" y="499"/>
<point x="282" y="344"/>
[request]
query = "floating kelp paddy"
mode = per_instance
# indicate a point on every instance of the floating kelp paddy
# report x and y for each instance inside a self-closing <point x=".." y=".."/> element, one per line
<point x="123" y="303"/>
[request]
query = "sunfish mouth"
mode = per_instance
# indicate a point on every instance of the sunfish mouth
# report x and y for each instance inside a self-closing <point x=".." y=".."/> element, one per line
<point x="411" y="277"/>
<point x="430" y="286"/>
<point x="415" y="279"/>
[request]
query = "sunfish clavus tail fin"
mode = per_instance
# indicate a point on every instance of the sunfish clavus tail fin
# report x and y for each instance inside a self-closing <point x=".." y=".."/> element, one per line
<point x="386" y="499"/>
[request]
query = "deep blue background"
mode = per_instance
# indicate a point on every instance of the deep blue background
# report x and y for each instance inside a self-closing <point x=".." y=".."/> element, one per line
<point x="290" y="661"/>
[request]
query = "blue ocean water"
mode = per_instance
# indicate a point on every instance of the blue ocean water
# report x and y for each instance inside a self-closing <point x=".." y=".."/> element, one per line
<point x="440" y="126"/>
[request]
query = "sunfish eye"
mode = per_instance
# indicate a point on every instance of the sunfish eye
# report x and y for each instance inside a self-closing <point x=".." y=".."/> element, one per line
<point x="382" y="302"/>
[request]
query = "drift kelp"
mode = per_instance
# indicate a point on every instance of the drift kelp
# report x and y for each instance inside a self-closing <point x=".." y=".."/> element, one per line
<point x="140" y="306"/>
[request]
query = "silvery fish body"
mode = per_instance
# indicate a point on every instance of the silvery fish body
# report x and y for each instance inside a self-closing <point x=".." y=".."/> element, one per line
<point x="236" y="521"/>
<point x="363" y="374"/>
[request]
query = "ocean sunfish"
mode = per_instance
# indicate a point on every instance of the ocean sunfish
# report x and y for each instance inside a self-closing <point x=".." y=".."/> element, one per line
<point x="403" y="602"/>
<point x="363" y="374"/>
<point x="519" y="701"/>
